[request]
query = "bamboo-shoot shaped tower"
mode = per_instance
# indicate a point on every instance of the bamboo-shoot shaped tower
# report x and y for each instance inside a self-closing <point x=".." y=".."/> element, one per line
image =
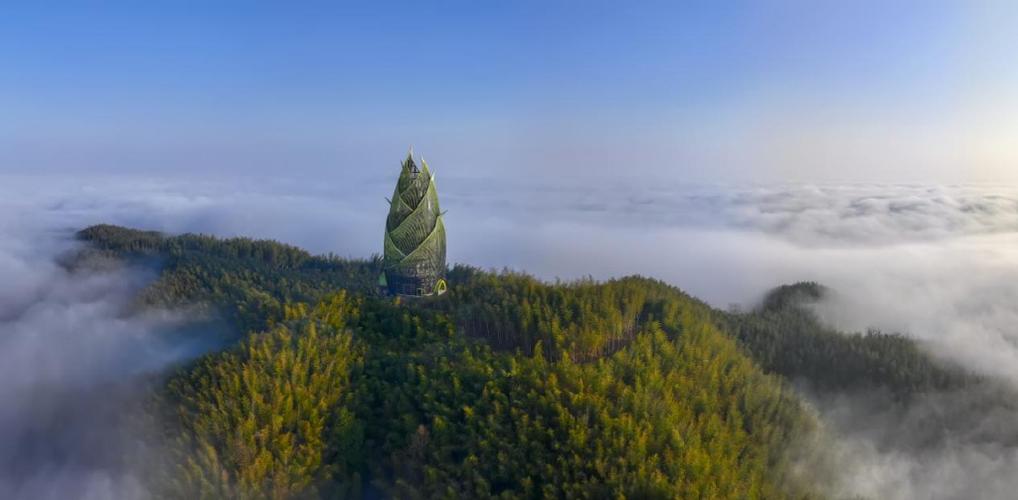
<point x="414" y="257"/>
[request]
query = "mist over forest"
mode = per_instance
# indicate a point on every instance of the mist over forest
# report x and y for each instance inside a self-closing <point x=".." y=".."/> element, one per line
<point x="934" y="263"/>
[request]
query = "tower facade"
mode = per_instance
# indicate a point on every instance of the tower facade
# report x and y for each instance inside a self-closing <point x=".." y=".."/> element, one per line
<point x="414" y="255"/>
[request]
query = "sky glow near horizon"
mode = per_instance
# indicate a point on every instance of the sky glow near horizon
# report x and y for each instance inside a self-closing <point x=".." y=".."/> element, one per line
<point x="754" y="91"/>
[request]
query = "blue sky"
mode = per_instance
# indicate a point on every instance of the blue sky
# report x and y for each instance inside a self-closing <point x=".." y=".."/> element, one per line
<point x="704" y="91"/>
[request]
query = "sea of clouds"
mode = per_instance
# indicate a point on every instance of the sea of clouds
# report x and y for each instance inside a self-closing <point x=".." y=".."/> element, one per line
<point x="938" y="263"/>
<point x="74" y="353"/>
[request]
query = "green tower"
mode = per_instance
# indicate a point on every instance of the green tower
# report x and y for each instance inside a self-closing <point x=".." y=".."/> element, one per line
<point x="414" y="257"/>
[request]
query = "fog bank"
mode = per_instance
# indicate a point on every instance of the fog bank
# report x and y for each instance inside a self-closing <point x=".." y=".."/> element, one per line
<point x="73" y="357"/>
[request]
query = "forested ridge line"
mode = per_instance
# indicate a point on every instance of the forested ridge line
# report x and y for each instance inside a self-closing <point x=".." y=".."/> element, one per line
<point x="785" y="336"/>
<point x="250" y="281"/>
<point x="246" y="281"/>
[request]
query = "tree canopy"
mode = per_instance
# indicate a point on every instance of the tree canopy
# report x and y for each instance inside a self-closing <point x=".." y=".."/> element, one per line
<point x="505" y="387"/>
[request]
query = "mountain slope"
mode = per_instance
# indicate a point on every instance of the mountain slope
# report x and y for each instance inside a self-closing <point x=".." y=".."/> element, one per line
<point x="624" y="388"/>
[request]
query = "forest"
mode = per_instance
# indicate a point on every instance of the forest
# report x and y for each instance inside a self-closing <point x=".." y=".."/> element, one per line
<point x="505" y="387"/>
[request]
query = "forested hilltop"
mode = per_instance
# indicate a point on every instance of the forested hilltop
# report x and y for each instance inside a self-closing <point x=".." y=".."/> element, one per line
<point x="505" y="387"/>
